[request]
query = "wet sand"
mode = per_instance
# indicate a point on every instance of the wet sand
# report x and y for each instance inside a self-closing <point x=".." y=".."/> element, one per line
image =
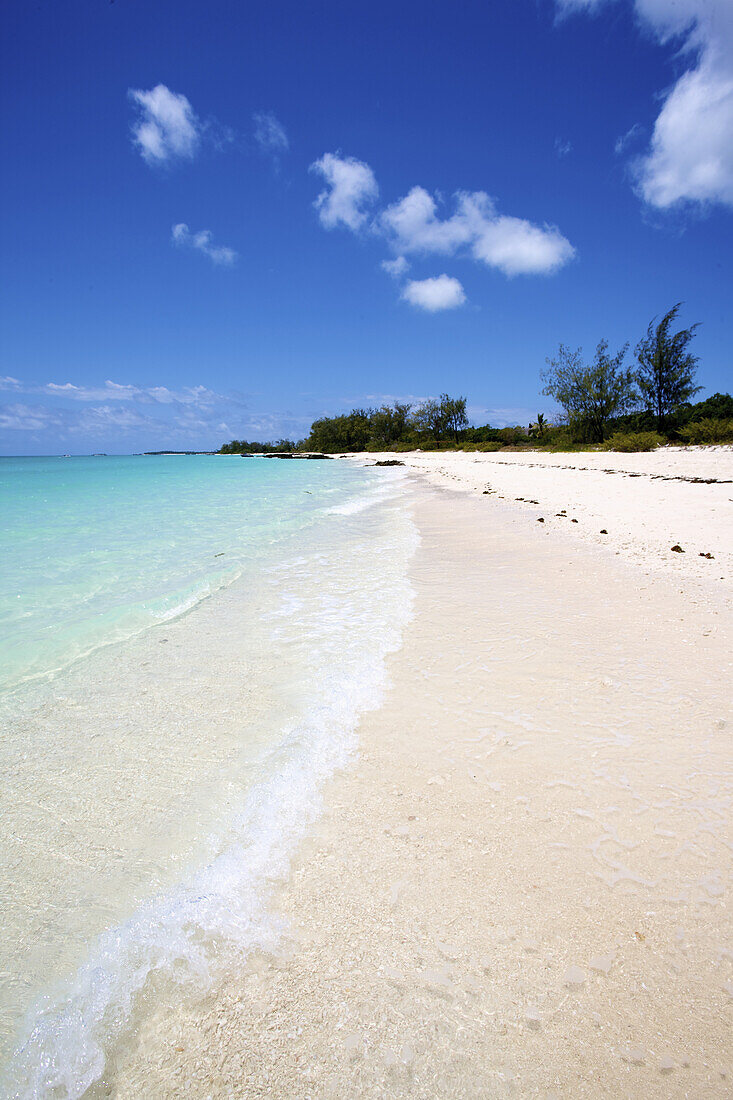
<point x="522" y="887"/>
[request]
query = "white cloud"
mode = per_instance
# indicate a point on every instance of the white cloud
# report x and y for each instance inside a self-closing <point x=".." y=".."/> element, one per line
<point x="501" y="417"/>
<point x="113" y="416"/>
<point x="513" y="245"/>
<point x="562" y="148"/>
<point x="622" y="143"/>
<point x="568" y="6"/>
<point x="396" y="268"/>
<point x="270" y="134"/>
<point x="167" y="128"/>
<point x="433" y="295"/>
<point x="27" y="418"/>
<point x="690" y="158"/>
<point x="218" y="254"/>
<point x="351" y="190"/>
<point x="114" y="391"/>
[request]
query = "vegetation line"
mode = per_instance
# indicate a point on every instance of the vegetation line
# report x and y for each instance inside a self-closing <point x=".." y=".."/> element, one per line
<point x="605" y="405"/>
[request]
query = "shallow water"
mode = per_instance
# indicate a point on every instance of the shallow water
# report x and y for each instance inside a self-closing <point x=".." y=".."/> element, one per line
<point x="163" y="751"/>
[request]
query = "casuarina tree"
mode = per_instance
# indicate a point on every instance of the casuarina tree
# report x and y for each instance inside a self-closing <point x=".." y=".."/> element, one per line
<point x="590" y="393"/>
<point x="666" y="374"/>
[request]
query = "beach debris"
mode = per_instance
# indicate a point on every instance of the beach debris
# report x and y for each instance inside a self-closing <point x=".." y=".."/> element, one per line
<point x="710" y="556"/>
<point x="573" y="521"/>
<point x="574" y="976"/>
<point x="532" y="1017"/>
<point x="677" y="549"/>
<point x="388" y="462"/>
<point x="540" y="520"/>
<point x="635" y="1056"/>
<point x="220" y="555"/>
<point x="666" y="1063"/>
<point x="603" y="531"/>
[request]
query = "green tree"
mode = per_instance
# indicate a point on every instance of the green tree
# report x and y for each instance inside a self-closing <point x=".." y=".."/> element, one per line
<point x="666" y="374"/>
<point x="442" y="417"/>
<point x="538" y="428"/>
<point x="591" y="394"/>
<point x="388" y="424"/>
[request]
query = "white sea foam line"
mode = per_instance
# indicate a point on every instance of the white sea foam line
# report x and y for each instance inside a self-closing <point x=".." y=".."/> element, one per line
<point x="372" y="496"/>
<point x="64" y="1053"/>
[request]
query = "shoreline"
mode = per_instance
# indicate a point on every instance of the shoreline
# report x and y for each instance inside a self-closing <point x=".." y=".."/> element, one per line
<point x="522" y="886"/>
<point x="637" y="505"/>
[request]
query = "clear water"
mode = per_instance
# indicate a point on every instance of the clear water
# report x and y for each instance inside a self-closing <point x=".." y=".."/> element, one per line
<point x="186" y="646"/>
<point x="93" y="550"/>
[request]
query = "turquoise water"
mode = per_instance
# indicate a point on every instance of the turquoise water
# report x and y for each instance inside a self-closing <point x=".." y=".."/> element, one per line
<point x="93" y="550"/>
<point x="187" y="644"/>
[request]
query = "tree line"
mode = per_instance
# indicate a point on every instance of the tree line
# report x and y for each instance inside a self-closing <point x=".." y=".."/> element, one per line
<point x="638" y="406"/>
<point x="592" y="394"/>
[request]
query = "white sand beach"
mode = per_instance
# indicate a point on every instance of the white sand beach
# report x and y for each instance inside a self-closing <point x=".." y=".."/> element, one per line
<point x="645" y="503"/>
<point x="523" y="886"/>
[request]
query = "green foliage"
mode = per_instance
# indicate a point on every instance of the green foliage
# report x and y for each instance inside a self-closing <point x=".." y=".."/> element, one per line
<point x="340" y="433"/>
<point x="666" y="372"/>
<point x="512" y="436"/>
<point x="442" y="418"/>
<point x="242" y="447"/>
<point x="634" y="441"/>
<point x="387" y="425"/>
<point x="717" y="407"/>
<point x="538" y="430"/>
<point x="430" y="426"/>
<point x="708" y="431"/>
<point x="590" y="393"/>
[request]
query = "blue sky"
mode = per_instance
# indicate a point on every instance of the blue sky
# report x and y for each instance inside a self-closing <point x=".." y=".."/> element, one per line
<point x="224" y="219"/>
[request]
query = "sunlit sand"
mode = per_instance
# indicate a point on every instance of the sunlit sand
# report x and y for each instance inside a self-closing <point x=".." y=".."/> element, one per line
<point x="522" y="886"/>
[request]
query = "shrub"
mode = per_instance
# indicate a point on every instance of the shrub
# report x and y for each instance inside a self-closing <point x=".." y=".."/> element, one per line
<point x="708" y="431"/>
<point x="633" y="441"/>
<point x="489" y="447"/>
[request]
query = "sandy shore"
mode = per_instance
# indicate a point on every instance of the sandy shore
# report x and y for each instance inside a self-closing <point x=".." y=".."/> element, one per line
<point x="522" y="888"/>
<point x="643" y="503"/>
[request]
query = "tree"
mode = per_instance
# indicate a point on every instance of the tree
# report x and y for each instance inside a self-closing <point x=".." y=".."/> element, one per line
<point x="388" y="424"/>
<point x="590" y="394"/>
<point x="666" y="368"/>
<point x="445" y="416"/>
<point x="454" y="412"/>
<point x="538" y="428"/>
